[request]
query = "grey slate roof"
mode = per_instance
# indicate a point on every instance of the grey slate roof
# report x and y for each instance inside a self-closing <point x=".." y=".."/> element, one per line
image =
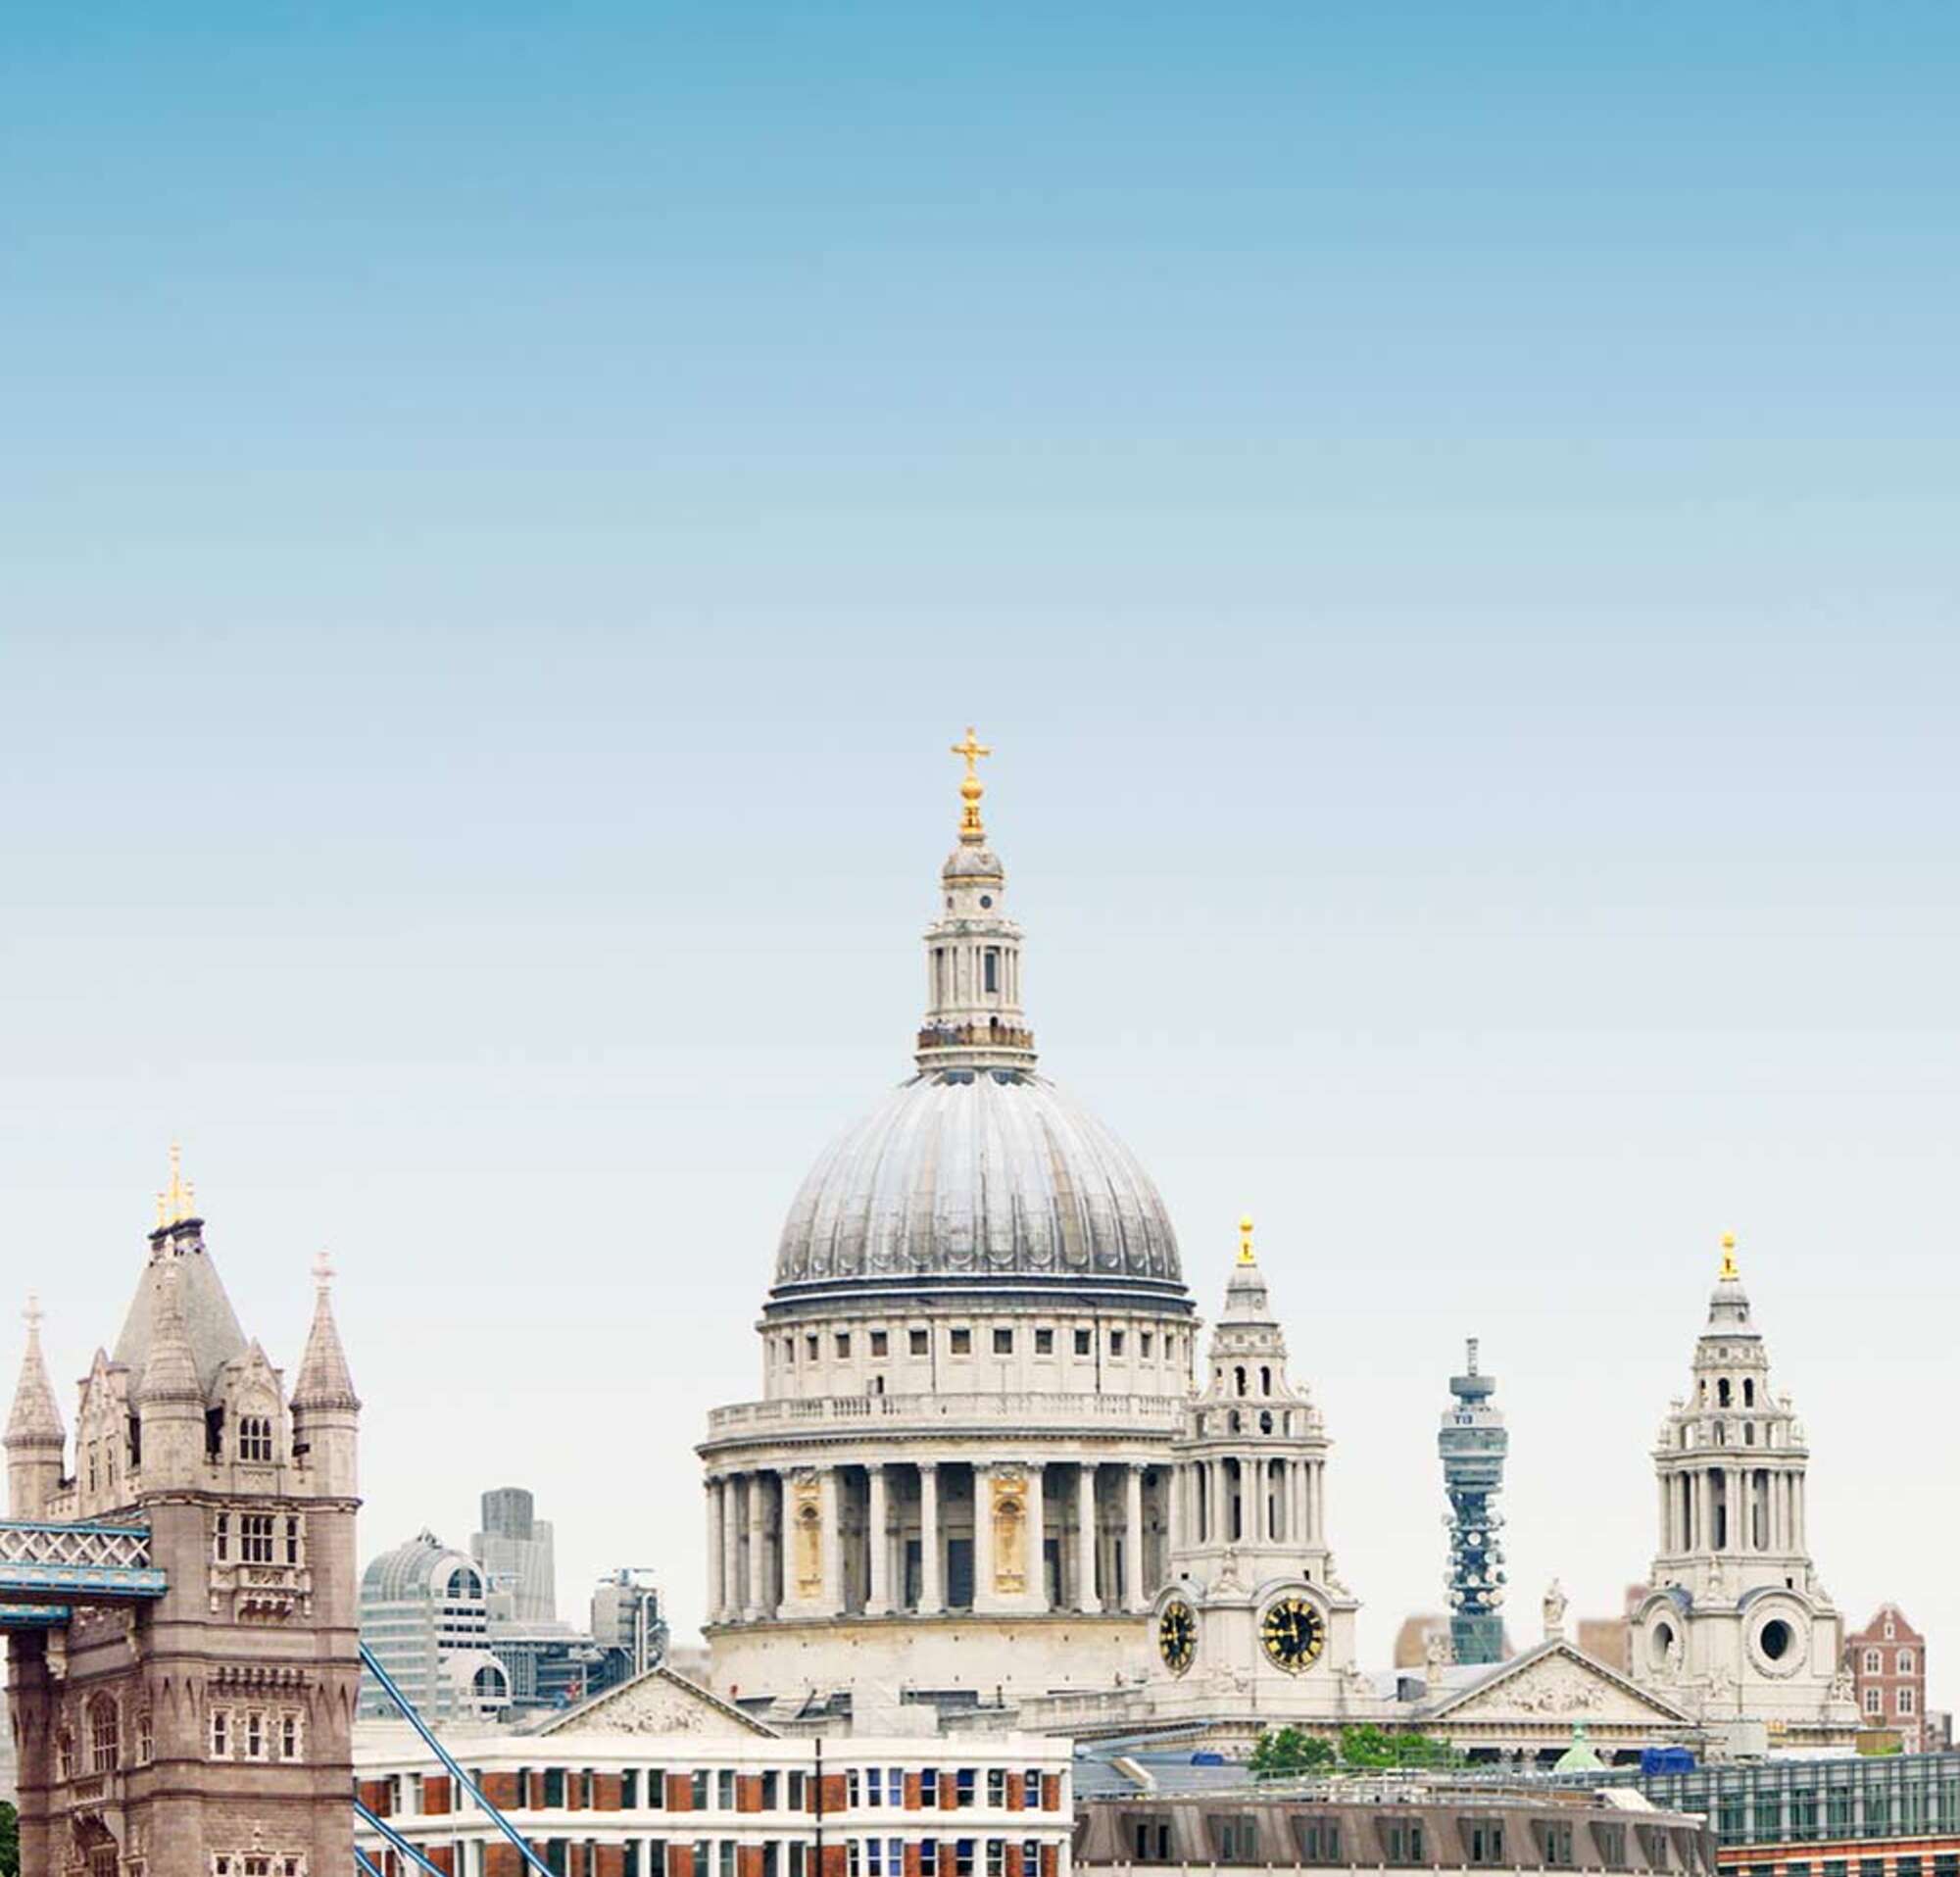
<point x="210" y="1321"/>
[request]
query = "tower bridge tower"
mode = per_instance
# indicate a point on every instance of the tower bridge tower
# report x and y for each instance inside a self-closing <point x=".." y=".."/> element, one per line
<point x="182" y="1680"/>
<point x="1473" y="1444"/>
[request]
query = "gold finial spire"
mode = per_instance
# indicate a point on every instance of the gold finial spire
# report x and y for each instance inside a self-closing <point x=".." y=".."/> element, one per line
<point x="1245" y="1241"/>
<point x="1729" y="1272"/>
<point x="323" y="1272"/>
<point x="32" y="1315"/>
<point x="177" y="1200"/>
<point x="971" y="788"/>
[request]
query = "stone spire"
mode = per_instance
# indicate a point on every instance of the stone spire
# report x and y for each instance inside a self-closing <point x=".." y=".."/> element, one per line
<point x="973" y="951"/>
<point x="170" y="1372"/>
<point x="35" y="1443"/>
<point x="325" y="1379"/>
<point x="37" y="1417"/>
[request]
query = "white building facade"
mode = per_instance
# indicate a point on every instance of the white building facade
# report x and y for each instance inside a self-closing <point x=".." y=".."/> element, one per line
<point x="955" y="1486"/>
<point x="1736" y="1625"/>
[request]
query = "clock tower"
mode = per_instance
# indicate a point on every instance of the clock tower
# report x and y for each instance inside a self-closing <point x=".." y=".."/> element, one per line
<point x="1252" y="1616"/>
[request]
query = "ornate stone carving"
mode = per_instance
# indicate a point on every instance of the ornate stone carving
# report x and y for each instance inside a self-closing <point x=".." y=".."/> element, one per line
<point x="1009" y="1491"/>
<point x="807" y="1524"/>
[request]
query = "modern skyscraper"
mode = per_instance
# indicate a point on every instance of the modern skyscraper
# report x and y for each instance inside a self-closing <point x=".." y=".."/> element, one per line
<point x="515" y="1549"/>
<point x="1472" y="1444"/>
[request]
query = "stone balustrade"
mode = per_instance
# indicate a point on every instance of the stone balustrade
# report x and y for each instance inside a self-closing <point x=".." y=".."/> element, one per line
<point x="941" y="1412"/>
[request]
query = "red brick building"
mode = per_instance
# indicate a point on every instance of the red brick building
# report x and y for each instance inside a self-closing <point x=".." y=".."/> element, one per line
<point x="1887" y="1663"/>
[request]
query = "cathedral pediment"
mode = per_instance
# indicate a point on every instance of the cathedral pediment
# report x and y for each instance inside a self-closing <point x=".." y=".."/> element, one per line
<point x="1554" y="1682"/>
<point x="659" y="1702"/>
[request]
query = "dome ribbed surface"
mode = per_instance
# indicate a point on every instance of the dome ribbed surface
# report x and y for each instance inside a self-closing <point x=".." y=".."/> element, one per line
<point x="978" y="1174"/>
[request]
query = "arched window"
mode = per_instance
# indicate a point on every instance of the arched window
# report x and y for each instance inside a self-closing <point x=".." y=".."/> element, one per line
<point x="1702" y="1387"/>
<point x="104" y="1735"/>
<point x="1238" y="1377"/>
<point x="1748" y="1390"/>
<point x="254" y="1437"/>
<point x="1266" y="1421"/>
<point x="1722" y="1393"/>
<point x="65" y="1755"/>
<point x="1265" y="1381"/>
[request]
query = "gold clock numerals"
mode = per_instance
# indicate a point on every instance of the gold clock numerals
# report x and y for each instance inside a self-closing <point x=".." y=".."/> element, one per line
<point x="1294" y="1634"/>
<point x="1177" y="1637"/>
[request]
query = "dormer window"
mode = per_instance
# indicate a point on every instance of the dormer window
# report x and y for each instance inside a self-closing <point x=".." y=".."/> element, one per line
<point x="255" y="1438"/>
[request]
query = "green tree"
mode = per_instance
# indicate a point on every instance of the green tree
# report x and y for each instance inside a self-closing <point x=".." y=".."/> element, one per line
<point x="1284" y="1754"/>
<point x="10" y="1840"/>
<point x="1372" y="1747"/>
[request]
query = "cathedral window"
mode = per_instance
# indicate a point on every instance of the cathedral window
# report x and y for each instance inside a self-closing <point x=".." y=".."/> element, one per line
<point x="810" y="1346"/>
<point x="1115" y="1342"/>
<point x="1003" y="1342"/>
<point x="881" y="1341"/>
<point x="221" y="1537"/>
<point x="1238" y="1380"/>
<point x="921" y="1341"/>
<point x="104" y="1735"/>
<point x="991" y="965"/>
<point x="1082" y="1342"/>
<point x="1722" y="1393"/>
<point x="289" y="1737"/>
<point x="254" y="1437"/>
<point x="961" y="1342"/>
<point x="1748" y="1392"/>
<point x="293" y="1536"/>
<point x="65" y="1755"/>
<point x="1265" y="1381"/>
<point x="1144" y="1342"/>
<point x="220" y="1733"/>
<point x="1044" y="1342"/>
<point x="843" y="1343"/>
<point x="255" y="1735"/>
<point x="146" y="1737"/>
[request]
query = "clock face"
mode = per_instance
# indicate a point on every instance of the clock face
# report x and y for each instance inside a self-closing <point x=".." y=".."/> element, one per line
<point x="1177" y="1637"/>
<point x="1294" y="1634"/>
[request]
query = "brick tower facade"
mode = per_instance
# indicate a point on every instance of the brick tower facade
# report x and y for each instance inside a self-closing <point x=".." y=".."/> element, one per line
<point x="206" y="1733"/>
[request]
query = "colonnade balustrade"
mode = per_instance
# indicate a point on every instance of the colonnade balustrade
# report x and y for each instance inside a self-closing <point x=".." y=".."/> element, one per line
<point x="928" y="1537"/>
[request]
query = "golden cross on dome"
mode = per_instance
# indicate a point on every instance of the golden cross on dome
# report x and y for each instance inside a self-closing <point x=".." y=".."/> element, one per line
<point x="1245" y="1241"/>
<point x="177" y="1200"/>
<point x="971" y="788"/>
<point x="1729" y="1272"/>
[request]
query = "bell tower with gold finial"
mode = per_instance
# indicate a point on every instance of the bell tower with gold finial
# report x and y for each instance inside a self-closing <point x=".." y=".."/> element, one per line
<point x="1252" y="1593"/>
<point x="973" y="1015"/>
<point x="1736" y="1621"/>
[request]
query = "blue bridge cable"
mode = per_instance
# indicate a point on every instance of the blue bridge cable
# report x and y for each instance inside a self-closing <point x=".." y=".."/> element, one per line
<point x="375" y="1822"/>
<point x="367" y="1863"/>
<point x="386" y="1683"/>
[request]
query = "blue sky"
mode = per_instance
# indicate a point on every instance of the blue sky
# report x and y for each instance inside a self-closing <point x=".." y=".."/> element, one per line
<point x="1446" y="515"/>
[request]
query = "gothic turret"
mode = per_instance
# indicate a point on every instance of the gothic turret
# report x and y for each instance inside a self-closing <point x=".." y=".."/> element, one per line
<point x="326" y="1411"/>
<point x="170" y="1403"/>
<point x="35" y="1438"/>
<point x="973" y="951"/>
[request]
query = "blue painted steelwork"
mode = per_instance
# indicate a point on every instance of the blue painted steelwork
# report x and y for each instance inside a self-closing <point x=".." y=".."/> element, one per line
<point x="33" y="1615"/>
<point x="367" y="1863"/>
<point x="77" y="1560"/>
<point x="406" y="1708"/>
<point x="1472" y="1444"/>
<point x="376" y="1823"/>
